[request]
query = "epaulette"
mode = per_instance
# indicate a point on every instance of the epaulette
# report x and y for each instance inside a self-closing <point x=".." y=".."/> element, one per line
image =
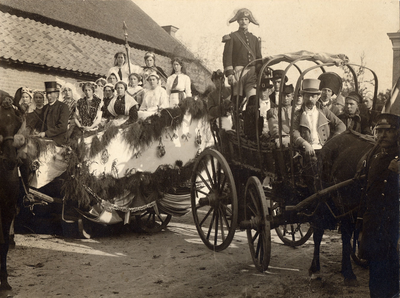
<point x="226" y="38"/>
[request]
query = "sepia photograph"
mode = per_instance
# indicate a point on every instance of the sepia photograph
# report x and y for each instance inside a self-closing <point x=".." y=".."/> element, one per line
<point x="199" y="148"/>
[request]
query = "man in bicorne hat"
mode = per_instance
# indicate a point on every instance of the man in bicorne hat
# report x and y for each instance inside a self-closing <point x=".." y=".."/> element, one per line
<point x="241" y="47"/>
<point x="56" y="114"/>
<point x="312" y="127"/>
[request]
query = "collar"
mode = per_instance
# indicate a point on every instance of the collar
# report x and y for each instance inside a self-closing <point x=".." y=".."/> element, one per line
<point x="50" y="104"/>
<point x="245" y="31"/>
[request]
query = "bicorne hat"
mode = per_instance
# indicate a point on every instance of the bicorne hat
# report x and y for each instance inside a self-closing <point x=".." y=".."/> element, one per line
<point x="332" y="81"/>
<point x="310" y="86"/>
<point x="244" y="13"/>
<point x="51" y="87"/>
<point x="278" y="74"/>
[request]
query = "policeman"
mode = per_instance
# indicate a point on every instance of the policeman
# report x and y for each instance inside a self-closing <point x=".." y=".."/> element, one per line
<point x="241" y="47"/>
<point x="380" y="209"/>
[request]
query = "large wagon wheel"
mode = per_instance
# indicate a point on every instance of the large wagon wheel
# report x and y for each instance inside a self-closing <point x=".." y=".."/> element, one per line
<point x="151" y="221"/>
<point x="295" y="234"/>
<point x="257" y="224"/>
<point x="214" y="200"/>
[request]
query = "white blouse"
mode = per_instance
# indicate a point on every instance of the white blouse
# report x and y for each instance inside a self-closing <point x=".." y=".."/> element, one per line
<point x="183" y="85"/>
<point x="154" y="99"/>
<point x="125" y="71"/>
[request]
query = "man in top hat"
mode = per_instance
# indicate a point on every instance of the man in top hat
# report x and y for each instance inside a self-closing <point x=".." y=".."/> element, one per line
<point x="242" y="47"/>
<point x="379" y="209"/>
<point x="277" y="76"/>
<point x="312" y="127"/>
<point x="56" y="114"/>
<point x="351" y="116"/>
<point x="331" y="84"/>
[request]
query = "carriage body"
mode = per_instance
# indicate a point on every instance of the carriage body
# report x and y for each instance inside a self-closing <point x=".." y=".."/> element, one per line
<point x="135" y="172"/>
<point x="254" y="183"/>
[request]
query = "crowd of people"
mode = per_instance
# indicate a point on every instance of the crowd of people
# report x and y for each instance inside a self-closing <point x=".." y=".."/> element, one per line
<point x="60" y="113"/>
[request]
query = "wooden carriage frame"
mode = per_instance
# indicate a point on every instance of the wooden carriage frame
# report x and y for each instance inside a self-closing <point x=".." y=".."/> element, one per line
<point x="235" y="169"/>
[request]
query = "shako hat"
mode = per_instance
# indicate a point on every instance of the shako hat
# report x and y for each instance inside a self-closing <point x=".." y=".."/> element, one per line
<point x="244" y="13"/>
<point x="310" y="86"/>
<point x="278" y="74"/>
<point x="332" y="81"/>
<point x="51" y="87"/>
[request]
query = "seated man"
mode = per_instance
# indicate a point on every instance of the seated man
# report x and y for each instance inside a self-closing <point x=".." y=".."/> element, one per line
<point x="56" y="114"/>
<point x="312" y="127"/>
<point x="331" y="84"/>
<point x="265" y="103"/>
<point x="351" y="116"/>
<point x="219" y="100"/>
<point x="286" y="114"/>
<point x="277" y="76"/>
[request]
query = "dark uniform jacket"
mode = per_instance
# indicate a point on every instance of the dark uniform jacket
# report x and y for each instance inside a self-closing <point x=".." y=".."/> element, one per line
<point x="328" y="126"/>
<point x="55" y="122"/>
<point x="381" y="206"/>
<point x="236" y="54"/>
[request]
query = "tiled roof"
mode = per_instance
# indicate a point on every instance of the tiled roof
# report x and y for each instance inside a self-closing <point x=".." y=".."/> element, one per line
<point x="104" y="17"/>
<point x="25" y="40"/>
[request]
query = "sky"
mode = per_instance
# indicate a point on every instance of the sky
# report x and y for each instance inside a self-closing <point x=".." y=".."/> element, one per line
<point x="355" y="28"/>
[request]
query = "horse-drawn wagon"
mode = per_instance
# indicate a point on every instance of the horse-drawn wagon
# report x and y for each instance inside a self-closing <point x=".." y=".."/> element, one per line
<point x="255" y="183"/>
<point x="122" y="172"/>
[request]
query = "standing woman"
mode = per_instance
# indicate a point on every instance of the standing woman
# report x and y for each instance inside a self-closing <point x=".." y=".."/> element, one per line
<point x="178" y="84"/>
<point x="151" y="67"/>
<point x="123" y="104"/>
<point x="121" y="67"/>
<point x="88" y="109"/>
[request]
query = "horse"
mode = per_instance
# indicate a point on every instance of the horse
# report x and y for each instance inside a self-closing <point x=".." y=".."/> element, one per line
<point x="11" y="121"/>
<point x="339" y="160"/>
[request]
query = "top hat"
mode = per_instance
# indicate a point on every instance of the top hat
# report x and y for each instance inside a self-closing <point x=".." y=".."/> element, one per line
<point x="51" y="87"/>
<point x="278" y="74"/>
<point x="332" y="81"/>
<point x="244" y="13"/>
<point x="311" y="86"/>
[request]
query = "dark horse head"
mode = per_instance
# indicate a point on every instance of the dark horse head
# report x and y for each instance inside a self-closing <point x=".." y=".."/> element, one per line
<point x="11" y="121"/>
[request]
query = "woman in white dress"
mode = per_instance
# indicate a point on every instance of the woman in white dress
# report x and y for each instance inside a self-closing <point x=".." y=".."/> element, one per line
<point x="178" y="84"/>
<point x="121" y="67"/>
<point x="156" y="97"/>
<point x="134" y="89"/>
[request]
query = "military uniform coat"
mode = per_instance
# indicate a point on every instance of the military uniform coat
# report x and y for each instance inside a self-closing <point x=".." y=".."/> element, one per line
<point x="381" y="205"/>
<point x="236" y="54"/>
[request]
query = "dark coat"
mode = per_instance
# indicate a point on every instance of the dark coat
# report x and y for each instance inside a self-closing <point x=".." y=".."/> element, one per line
<point x="381" y="206"/>
<point x="55" y="123"/>
<point x="236" y="54"/>
<point x="213" y="101"/>
<point x="34" y="120"/>
<point x="357" y="123"/>
<point x="328" y="126"/>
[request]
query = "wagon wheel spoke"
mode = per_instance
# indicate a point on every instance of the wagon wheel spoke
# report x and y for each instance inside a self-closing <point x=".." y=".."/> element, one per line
<point x="209" y="176"/>
<point x="205" y="217"/>
<point x="216" y="227"/>
<point x="255" y="236"/>
<point x="200" y="191"/>
<point x="222" y="215"/>
<point x="204" y="181"/>
<point x="211" y="226"/>
<point x="293" y="233"/>
<point x="226" y="220"/>
<point x="215" y="180"/>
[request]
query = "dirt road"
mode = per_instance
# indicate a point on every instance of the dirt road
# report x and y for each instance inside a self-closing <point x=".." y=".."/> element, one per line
<point x="172" y="263"/>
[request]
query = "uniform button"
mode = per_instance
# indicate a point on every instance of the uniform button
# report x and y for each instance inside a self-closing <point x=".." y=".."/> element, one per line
<point x="384" y="181"/>
<point x="383" y="194"/>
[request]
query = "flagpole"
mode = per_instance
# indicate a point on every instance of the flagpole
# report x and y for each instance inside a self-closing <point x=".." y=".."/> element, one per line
<point x="127" y="45"/>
